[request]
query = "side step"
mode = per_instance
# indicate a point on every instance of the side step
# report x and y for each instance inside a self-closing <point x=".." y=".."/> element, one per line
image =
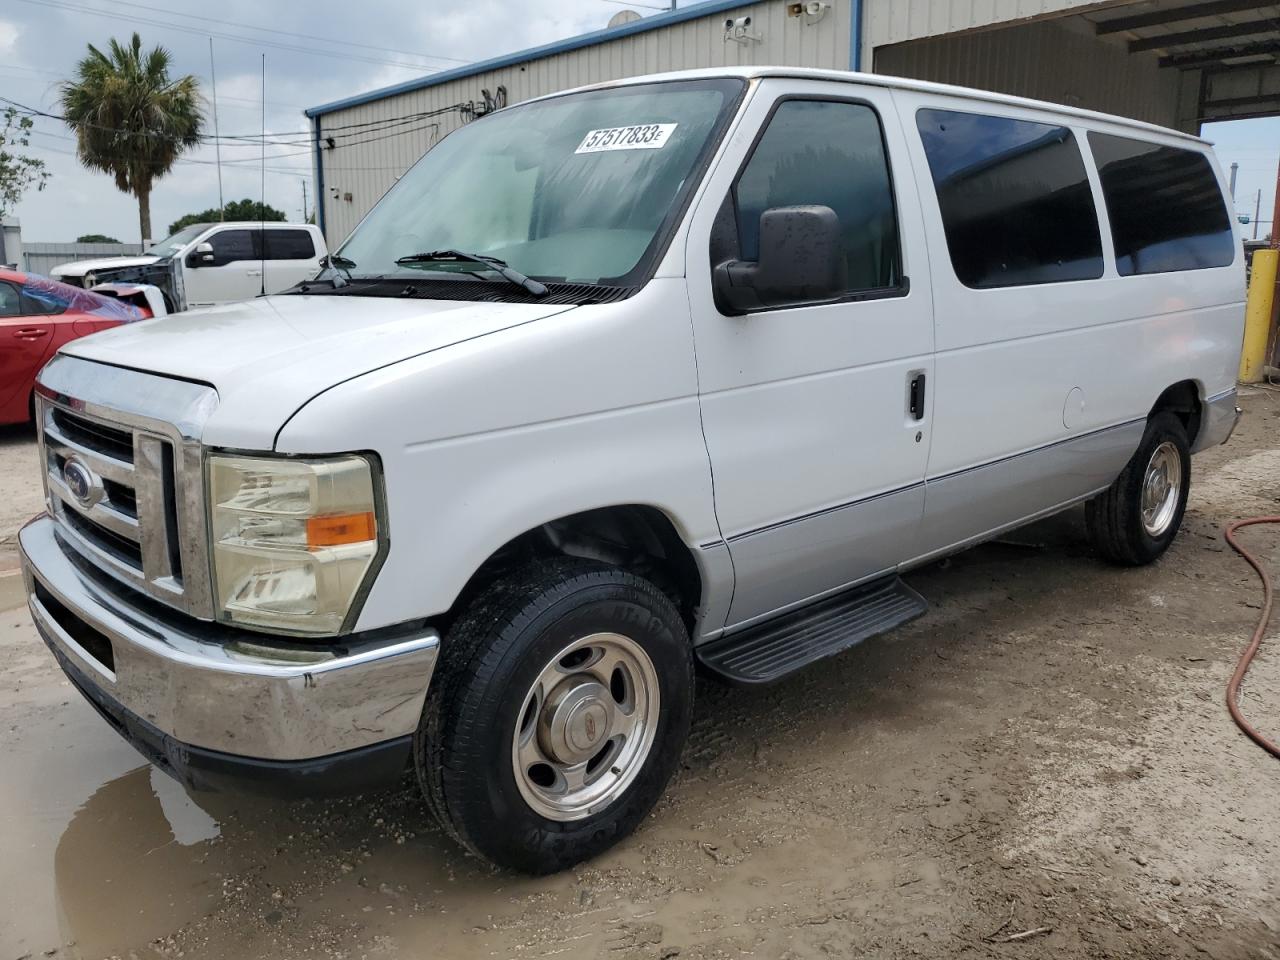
<point x="772" y="650"/>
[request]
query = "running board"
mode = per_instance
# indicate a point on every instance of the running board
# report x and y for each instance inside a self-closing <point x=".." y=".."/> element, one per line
<point x="783" y="645"/>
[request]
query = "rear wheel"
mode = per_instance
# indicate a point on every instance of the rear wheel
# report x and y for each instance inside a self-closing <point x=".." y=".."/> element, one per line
<point x="557" y="715"/>
<point x="1135" y="519"/>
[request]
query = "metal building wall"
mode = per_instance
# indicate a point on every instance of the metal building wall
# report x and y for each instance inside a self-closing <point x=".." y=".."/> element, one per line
<point x="1056" y="60"/>
<point x="364" y="171"/>
<point x="896" y="21"/>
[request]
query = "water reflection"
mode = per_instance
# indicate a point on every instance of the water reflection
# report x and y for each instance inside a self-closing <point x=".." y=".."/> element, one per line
<point x="131" y="864"/>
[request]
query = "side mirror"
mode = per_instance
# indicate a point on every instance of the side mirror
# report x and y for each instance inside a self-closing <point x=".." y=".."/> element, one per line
<point x="202" y="255"/>
<point x="800" y="260"/>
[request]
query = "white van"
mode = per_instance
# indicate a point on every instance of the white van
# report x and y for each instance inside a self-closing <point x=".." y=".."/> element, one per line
<point x="686" y="369"/>
<point x="206" y="264"/>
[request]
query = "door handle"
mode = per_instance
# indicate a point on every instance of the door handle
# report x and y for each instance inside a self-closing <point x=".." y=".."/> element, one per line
<point x="31" y="333"/>
<point x="253" y="273"/>
<point x="915" y="396"/>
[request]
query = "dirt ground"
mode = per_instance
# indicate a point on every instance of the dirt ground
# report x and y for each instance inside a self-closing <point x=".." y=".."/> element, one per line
<point x="20" y="497"/>
<point x="1042" y="766"/>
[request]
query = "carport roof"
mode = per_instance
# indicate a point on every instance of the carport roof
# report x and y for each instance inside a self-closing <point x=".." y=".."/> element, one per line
<point x="1234" y="42"/>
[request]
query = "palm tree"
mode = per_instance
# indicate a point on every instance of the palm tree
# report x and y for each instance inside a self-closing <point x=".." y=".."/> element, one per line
<point x="130" y="119"/>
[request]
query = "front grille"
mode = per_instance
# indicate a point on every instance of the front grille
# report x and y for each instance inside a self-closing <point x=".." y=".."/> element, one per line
<point x="126" y="522"/>
<point x="95" y="436"/>
<point x="124" y="476"/>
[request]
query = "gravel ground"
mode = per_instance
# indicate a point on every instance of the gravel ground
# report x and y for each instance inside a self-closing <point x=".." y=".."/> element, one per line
<point x="21" y="496"/>
<point x="1042" y="766"/>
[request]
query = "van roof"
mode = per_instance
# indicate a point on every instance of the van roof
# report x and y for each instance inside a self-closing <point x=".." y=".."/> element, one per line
<point x="898" y="83"/>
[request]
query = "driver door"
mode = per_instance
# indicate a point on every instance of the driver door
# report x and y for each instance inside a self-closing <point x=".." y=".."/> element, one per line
<point x="235" y="273"/>
<point x="817" y="415"/>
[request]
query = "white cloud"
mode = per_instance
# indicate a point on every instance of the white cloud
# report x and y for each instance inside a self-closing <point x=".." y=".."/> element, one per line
<point x="9" y="34"/>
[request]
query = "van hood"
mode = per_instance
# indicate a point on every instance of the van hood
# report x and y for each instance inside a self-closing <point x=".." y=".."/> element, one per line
<point x="78" y="268"/>
<point x="269" y="356"/>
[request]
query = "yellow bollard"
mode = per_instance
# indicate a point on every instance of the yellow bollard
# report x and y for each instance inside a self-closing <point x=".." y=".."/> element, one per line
<point x="1257" y="315"/>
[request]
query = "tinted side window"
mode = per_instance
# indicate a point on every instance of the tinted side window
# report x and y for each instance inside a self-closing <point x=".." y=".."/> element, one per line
<point x="43" y="300"/>
<point x="832" y="154"/>
<point x="1165" y="205"/>
<point x="289" y="245"/>
<point x="1015" y="199"/>
<point x="232" y="245"/>
<point x="10" y="303"/>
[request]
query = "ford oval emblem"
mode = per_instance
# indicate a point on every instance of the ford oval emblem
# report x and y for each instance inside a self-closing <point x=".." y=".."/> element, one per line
<point x="84" y="486"/>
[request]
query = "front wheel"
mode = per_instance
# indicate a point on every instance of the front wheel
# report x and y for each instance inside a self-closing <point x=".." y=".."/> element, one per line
<point x="1134" y="520"/>
<point x="561" y="702"/>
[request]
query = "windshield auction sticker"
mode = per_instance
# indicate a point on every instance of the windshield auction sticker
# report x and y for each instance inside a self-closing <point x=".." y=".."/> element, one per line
<point x="641" y="136"/>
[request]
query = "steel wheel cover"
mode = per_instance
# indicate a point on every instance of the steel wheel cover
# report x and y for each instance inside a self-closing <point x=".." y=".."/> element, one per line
<point x="586" y="727"/>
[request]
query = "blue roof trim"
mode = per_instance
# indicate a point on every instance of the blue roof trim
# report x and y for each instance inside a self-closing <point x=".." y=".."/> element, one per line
<point x="691" y="12"/>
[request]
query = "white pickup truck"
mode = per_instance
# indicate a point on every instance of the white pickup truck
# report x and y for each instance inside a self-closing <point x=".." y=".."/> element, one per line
<point x="686" y="369"/>
<point x="206" y="264"/>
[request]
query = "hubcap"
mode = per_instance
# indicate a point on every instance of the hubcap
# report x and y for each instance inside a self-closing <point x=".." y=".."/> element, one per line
<point x="1161" y="488"/>
<point x="586" y="727"/>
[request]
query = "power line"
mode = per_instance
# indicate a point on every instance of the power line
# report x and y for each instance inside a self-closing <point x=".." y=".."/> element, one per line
<point x="234" y="38"/>
<point x="292" y="33"/>
<point x="358" y="129"/>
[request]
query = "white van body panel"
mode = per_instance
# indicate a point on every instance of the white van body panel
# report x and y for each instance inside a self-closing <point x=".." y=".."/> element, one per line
<point x="819" y="468"/>
<point x="287" y="350"/>
<point x="1042" y="390"/>
<point x="596" y="406"/>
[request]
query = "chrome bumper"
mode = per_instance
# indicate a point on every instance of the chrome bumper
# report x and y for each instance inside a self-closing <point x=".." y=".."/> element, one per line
<point x="224" y="690"/>
<point x="1218" y="421"/>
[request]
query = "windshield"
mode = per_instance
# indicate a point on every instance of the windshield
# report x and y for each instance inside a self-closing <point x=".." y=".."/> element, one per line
<point x="170" y="246"/>
<point x="578" y="188"/>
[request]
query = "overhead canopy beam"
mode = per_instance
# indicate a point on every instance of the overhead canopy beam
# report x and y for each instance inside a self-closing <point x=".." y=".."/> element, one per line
<point x="1215" y="56"/>
<point x="1159" y="18"/>
<point x="1204" y="35"/>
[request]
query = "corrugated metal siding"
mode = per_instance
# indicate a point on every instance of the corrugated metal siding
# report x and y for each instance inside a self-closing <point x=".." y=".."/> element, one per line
<point x="1058" y="61"/>
<point x="366" y="170"/>
<point x="896" y="21"/>
<point x="43" y="257"/>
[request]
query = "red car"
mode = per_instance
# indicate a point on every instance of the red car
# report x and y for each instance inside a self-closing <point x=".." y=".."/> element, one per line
<point x="37" y="316"/>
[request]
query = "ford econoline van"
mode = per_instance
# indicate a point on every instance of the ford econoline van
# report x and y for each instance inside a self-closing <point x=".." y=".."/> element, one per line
<point x="680" y="371"/>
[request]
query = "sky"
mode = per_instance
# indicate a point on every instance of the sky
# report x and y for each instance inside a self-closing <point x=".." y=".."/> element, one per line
<point x="351" y="47"/>
<point x="320" y="50"/>
<point x="1255" y="146"/>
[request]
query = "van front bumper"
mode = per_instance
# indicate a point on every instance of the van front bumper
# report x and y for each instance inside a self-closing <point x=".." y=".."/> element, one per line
<point x="218" y="707"/>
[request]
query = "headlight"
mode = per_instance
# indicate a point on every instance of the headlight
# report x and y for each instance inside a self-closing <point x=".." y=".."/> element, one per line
<point x="293" y="540"/>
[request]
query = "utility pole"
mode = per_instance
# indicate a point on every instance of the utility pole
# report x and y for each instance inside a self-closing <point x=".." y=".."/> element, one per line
<point x="1257" y="208"/>
<point x="217" y="143"/>
<point x="1234" y="168"/>
<point x="304" y="201"/>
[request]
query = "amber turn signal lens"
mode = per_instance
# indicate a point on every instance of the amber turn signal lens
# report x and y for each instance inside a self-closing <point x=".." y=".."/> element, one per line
<point x="341" y="528"/>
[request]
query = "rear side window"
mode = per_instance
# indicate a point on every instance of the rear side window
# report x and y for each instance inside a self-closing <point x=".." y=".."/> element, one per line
<point x="10" y="302"/>
<point x="1015" y="199"/>
<point x="829" y="153"/>
<point x="1165" y="206"/>
<point x="289" y="245"/>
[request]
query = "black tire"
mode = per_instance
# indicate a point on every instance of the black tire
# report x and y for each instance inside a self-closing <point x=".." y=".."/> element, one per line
<point x="489" y="660"/>
<point x="1114" y="517"/>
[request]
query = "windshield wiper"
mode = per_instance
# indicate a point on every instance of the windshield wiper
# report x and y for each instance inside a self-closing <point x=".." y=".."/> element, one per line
<point x="338" y="262"/>
<point x="493" y="263"/>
